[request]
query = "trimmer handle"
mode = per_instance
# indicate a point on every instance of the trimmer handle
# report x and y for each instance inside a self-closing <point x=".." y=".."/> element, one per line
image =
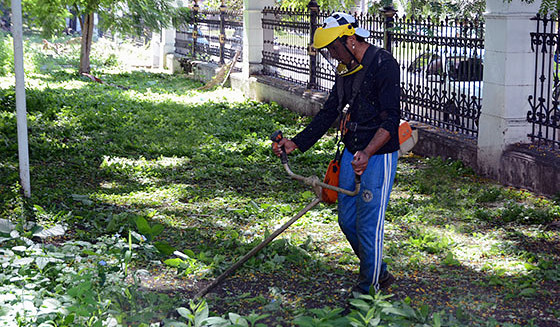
<point x="357" y="179"/>
<point x="275" y="138"/>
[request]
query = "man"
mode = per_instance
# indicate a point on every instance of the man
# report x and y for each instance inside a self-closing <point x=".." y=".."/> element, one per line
<point x="370" y="136"/>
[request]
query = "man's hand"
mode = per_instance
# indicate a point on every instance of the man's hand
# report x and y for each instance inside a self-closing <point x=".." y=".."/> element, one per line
<point x="360" y="162"/>
<point x="288" y="144"/>
<point x="361" y="158"/>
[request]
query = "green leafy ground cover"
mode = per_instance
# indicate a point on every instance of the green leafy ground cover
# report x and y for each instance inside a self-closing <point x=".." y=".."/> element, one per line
<point x="131" y="175"/>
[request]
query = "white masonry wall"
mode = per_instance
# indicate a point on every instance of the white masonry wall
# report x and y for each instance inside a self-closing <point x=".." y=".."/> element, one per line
<point x="163" y="43"/>
<point x="253" y="35"/>
<point x="508" y="80"/>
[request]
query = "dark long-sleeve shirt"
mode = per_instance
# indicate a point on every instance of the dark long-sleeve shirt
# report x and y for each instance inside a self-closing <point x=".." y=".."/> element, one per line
<point x="376" y="106"/>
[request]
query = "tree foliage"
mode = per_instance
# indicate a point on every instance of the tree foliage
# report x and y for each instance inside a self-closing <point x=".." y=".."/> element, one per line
<point x="442" y="8"/>
<point x="344" y="5"/>
<point x="230" y="4"/>
<point x="130" y="17"/>
<point x="48" y="15"/>
<point x="296" y="4"/>
<point x="124" y="16"/>
<point x="548" y="7"/>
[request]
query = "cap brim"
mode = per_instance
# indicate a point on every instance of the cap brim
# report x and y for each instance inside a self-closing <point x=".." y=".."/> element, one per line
<point x="362" y="32"/>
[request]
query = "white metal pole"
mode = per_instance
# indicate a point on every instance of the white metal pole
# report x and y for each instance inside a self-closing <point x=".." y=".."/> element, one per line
<point x="23" y="148"/>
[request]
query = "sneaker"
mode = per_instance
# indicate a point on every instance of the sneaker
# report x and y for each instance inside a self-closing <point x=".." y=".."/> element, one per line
<point x="357" y="289"/>
<point x="386" y="280"/>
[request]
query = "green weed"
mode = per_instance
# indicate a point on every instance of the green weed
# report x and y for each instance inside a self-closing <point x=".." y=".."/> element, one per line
<point x="376" y="310"/>
<point x="519" y="213"/>
<point x="6" y="54"/>
<point x="198" y="314"/>
<point x="428" y="242"/>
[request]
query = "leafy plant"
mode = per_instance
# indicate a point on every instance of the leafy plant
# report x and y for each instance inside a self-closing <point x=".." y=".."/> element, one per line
<point x="491" y="194"/>
<point x="57" y="287"/>
<point x="150" y="232"/>
<point x="322" y="317"/>
<point x="6" y="54"/>
<point x="428" y="242"/>
<point x="198" y="315"/>
<point x="375" y="310"/>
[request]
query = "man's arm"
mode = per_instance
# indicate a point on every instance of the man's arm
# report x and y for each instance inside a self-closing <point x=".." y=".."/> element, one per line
<point x="320" y="123"/>
<point x="312" y="132"/>
<point x="387" y="83"/>
<point x="361" y="158"/>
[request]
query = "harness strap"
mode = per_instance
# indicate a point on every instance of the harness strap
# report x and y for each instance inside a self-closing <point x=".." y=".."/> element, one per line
<point x="345" y="108"/>
<point x="353" y="127"/>
<point x="357" y="83"/>
<point x="359" y="79"/>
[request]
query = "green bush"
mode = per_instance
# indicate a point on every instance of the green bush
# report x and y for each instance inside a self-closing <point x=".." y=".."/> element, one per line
<point x="518" y="213"/>
<point x="6" y="54"/>
<point x="490" y="194"/>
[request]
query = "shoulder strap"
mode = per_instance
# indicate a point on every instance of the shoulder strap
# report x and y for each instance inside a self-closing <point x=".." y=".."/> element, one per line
<point x="340" y="92"/>
<point x="359" y="79"/>
<point x="356" y="86"/>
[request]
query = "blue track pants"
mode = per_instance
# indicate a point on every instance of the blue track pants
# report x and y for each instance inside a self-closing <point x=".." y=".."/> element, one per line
<point x="362" y="217"/>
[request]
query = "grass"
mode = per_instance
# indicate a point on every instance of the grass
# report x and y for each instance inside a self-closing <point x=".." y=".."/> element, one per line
<point x="137" y="173"/>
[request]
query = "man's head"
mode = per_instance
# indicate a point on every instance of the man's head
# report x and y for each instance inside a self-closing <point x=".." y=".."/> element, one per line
<point x="338" y="35"/>
<point x="338" y="25"/>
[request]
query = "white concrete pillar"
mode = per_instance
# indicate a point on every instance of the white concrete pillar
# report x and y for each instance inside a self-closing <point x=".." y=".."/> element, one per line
<point x="508" y="80"/>
<point x="167" y="46"/>
<point x="163" y="43"/>
<point x="155" y="49"/>
<point x="253" y="35"/>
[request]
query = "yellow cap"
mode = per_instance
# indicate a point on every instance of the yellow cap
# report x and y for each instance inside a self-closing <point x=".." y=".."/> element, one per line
<point x="336" y="25"/>
<point x="326" y="36"/>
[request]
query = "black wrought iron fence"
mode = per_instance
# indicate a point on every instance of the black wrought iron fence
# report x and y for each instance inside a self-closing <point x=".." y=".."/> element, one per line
<point x="213" y="36"/>
<point x="441" y="71"/>
<point x="286" y="41"/>
<point x="544" y="114"/>
<point x="441" y="61"/>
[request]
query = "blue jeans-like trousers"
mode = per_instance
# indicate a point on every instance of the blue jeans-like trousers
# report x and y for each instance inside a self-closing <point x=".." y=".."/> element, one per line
<point x="362" y="217"/>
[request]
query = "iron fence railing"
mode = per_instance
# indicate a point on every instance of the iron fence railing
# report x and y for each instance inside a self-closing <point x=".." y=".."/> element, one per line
<point x="441" y="61"/>
<point x="441" y="71"/>
<point x="213" y="36"/>
<point x="286" y="41"/>
<point x="544" y="114"/>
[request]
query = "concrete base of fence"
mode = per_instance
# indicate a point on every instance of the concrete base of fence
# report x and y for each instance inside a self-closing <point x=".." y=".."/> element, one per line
<point x="203" y="71"/>
<point x="437" y="142"/>
<point x="265" y="88"/>
<point x="520" y="165"/>
<point x="289" y="95"/>
<point x="531" y="169"/>
<point x="172" y="63"/>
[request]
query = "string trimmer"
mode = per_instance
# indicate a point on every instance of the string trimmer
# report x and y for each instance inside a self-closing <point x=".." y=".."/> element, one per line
<point x="314" y="182"/>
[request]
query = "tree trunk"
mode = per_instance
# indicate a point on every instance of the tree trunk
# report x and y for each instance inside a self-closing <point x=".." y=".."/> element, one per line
<point x="87" y="34"/>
